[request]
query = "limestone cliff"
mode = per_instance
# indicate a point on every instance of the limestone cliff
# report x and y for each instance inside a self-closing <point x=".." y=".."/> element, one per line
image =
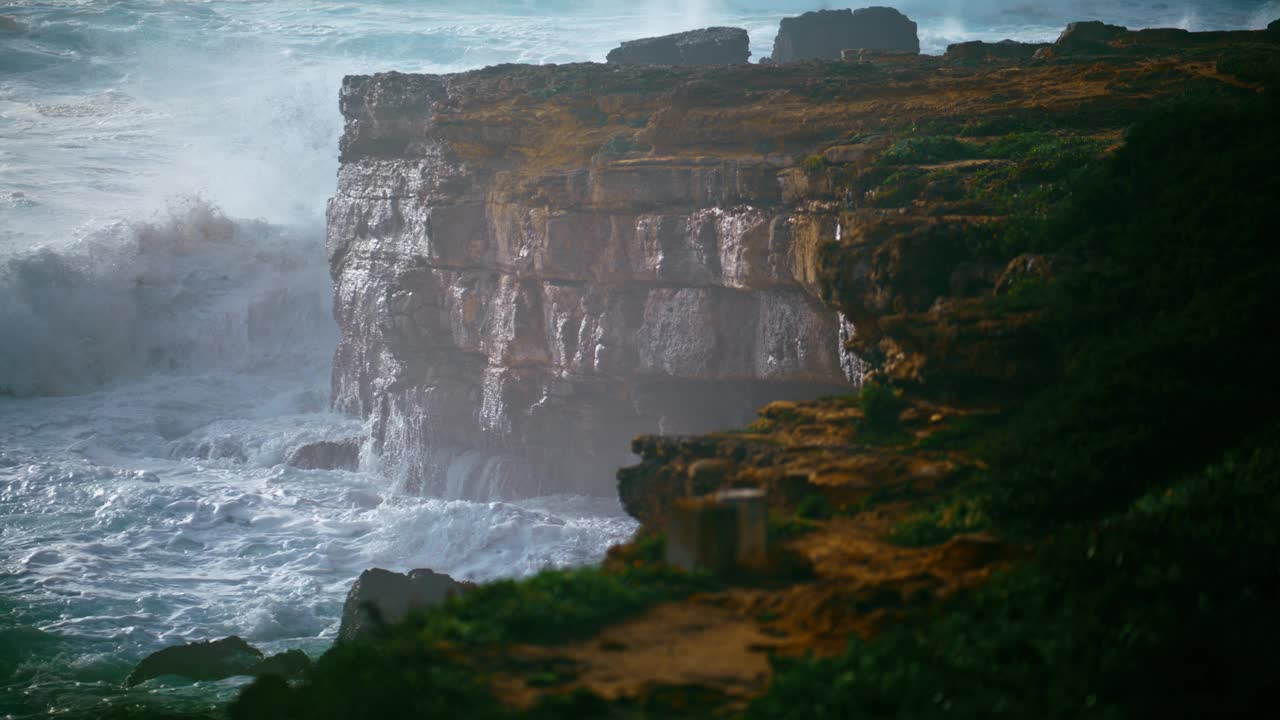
<point x="525" y="278"/>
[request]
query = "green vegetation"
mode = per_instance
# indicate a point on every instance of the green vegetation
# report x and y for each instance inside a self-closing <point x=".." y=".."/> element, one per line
<point x="813" y="164"/>
<point x="941" y="523"/>
<point x="1153" y="590"/>
<point x="920" y="150"/>
<point x="423" y="667"/>
<point x="1166" y="610"/>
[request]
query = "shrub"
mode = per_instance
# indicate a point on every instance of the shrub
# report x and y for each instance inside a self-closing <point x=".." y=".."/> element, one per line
<point x="927" y="149"/>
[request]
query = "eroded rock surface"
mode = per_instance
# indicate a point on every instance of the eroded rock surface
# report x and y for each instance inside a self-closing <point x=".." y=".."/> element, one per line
<point x="709" y="46"/>
<point x="823" y="34"/>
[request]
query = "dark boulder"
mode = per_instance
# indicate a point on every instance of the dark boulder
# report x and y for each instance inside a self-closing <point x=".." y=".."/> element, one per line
<point x="216" y="660"/>
<point x="822" y="34"/>
<point x="1092" y="36"/>
<point x="327" y="455"/>
<point x="1003" y="50"/>
<point x="199" y="661"/>
<point x="710" y="46"/>
<point x="9" y="23"/>
<point x="381" y="597"/>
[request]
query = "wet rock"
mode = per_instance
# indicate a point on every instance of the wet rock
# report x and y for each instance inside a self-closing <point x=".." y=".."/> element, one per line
<point x="709" y="46"/>
<point x="214" y="660"/>
<point x="9" y="23"/>
<point x="327" y="455"/>
<point x="381" y="597"/>
<point x="1003" y="50"/>
<point x="823" y="34"/>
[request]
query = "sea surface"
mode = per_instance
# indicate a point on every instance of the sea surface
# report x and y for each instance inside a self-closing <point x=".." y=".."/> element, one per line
<point x="165" y="327"/>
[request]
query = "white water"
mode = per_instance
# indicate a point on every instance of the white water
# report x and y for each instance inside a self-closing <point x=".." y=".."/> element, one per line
<point x="164" y="316"/>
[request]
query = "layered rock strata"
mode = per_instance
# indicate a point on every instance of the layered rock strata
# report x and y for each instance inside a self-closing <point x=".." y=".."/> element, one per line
<point x="523" y="283"/>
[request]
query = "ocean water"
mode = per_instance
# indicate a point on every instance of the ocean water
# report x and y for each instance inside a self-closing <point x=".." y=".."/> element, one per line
<point x="165" y="328"/>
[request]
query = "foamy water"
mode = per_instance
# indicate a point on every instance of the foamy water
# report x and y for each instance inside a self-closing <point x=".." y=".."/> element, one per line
<point x="165" y="328"/>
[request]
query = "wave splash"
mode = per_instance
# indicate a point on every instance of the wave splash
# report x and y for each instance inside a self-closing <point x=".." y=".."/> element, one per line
<point x="192" y="290"/>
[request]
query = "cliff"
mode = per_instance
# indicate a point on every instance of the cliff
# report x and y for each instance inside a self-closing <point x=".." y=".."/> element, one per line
<point x="1057" y="487"/>
<point x="532" y="265"/>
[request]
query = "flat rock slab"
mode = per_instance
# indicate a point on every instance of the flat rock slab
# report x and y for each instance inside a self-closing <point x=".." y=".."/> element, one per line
<point x="709" y="46"/>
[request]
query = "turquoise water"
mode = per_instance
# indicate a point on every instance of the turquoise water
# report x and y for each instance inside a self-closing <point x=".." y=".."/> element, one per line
<point x="164" y="317"/>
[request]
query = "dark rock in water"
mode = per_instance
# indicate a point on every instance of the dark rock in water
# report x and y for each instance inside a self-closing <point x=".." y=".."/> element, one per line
<point x="327" y="455"/>
<point x="216" y="660"/>
<point x="1091" y="36"/>
<point x="1003" y="50"/>
<point x="710" y="46"/>
<point x="286" y="664"/>
<point x="822" y="34"/>
<point x="9" y="23"/>
<point x="199" y="661"/>
<point x="381" y="597"/>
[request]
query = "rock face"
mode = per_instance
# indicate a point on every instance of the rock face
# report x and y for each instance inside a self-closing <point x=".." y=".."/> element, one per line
<point x="216" y="660"/>
<point x="524" y="282"/>
<point x="381" y="596"/>
<point x="710" y="46"/>
<point x="823" y="34"/>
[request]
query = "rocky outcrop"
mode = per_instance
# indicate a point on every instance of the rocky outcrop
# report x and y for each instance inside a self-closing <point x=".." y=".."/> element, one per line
<point x="216" y="660"/>
<point x="326" y="455"/>
<point x="1003" y="50"/>
<point x="1097" y="38"/>
<point x="381" y="597"/>
<point x="709" y="46"/>
<point x="823" y="34"/>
